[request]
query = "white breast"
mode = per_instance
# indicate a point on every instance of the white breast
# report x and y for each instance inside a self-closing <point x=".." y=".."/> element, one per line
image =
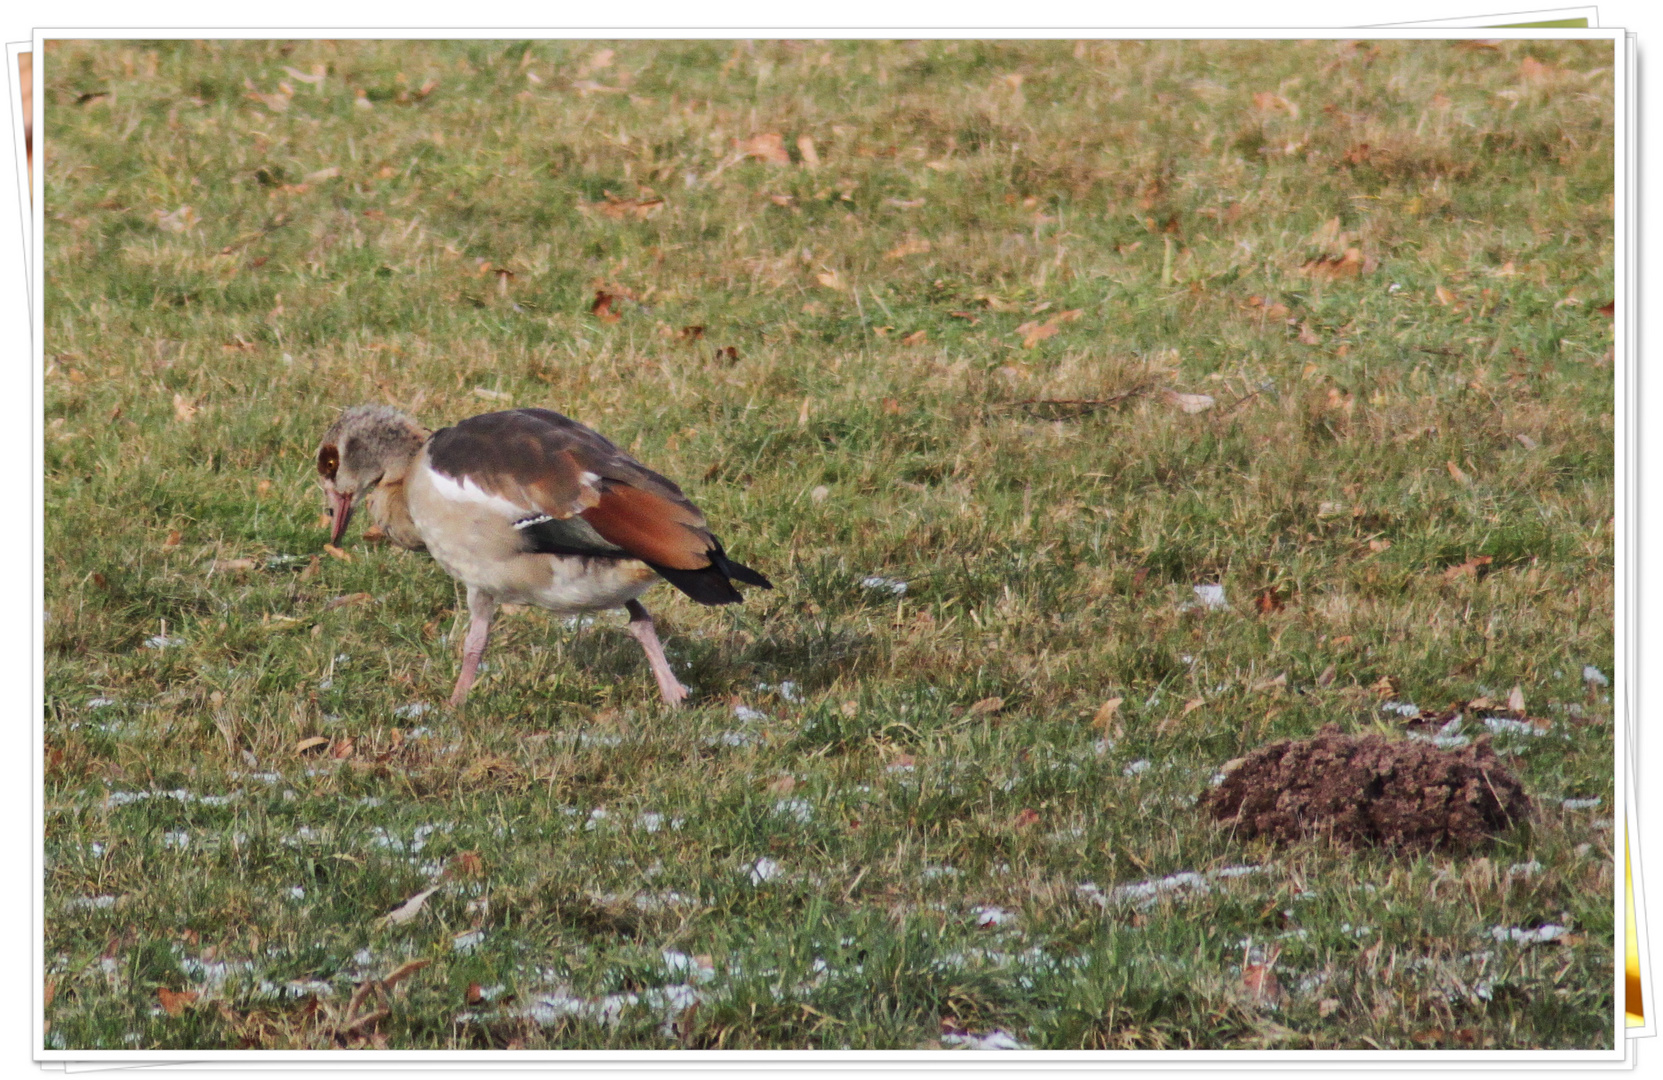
<point x="471" y="534"/>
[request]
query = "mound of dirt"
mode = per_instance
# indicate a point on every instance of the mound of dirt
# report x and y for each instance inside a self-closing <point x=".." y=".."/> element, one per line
<point x="1369" y="791"/>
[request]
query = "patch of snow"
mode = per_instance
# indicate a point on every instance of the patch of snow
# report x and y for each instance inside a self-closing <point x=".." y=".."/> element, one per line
<point x="1524" y="869"/>
<point x="1502" y="725"/>
<point x="992" y="1040"/>
<point x="90" y="903"/>
<point x="101" y="702"/>
<point x="1592" y="674"/>
<point x="468" y="941"/>
<point x="161" y="641"/>
<point x="179" y="839"/>
<point x="992" y="916"/>
<point x="1580" y="804"/>
<point x="748" y="715"/>
<point x="412" y="710"/>
<point x="1544" y="933"/>
<point x="764" y="869"/>
<point x="800" y="809"/>
<point x="1141" y="765"/>
<point x="893" y="585"/>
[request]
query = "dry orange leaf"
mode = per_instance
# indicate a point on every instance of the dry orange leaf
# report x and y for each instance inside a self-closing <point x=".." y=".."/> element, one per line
<point x="184" y="409"/>
<point x="831" y="279"/>
<point x="1105" y="713"/>
<point x="913" y="246"/>
<point x="782" y="785"/>
<point x="1444" y="296"/>
<point x="1035" y="332"/>
<point x="342" y="749"/>
<point x="768" y="147"/>
<point x="404" y="971"/>
<point x="337" y="553"/>
<point x="917" y="337"/>
<point x="805" y="148"/>
<point x="1027" y="817"/>
<point x="228" y="565"/>
<point x="310" y="743"/>
<point x="987" y="706"/>
<point x="1260" y="983"/>
<point x="467" y="864"/>
<point x="173" y="539"/>
<point x="1457" y="475"/>
<point x="175" y="1002"/>
<point x="1475" y="567"/>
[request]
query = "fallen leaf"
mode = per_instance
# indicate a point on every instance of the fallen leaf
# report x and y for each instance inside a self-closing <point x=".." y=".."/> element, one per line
<point x="600" y="58"/>
<point x="1608" y="309"/>
<point x="1307" y="336"/>
<point x="1268" y="601"/>
<point x="1260" y="983"/>
<point x="1193" y="704"/>
<point x="602" y="307"/>
<point x="987" y="706"/>
<point x="321" y="175"/>
<point x="1326" y="679"/>
<point x="1327" y="1006"/>
<point x="184" y="409"/>
<point x="1350" y="263"/>
<point x="313" y="78"/>
<point x="342" y="749"/>
<point x="972" y="319"/>
<point x="476" y="993"/>
<point x="310" y="743"/>
<point x="1267" y="101"/>
<point x="175" y="1002"/>
<point x="491" y="395"/>
<point x="1475" y="567"/>
<point x="831" y="279"/>
<point x="768" y="147"/>
<point x="782" y="785"/>
<point x="1444" y="296"/>
<point x="1515" y="700"/>
<point x="1035" y="332"/>
<point x="782" y="200"/>
<point x="913" y="246"/>
<point x="692" y="333"/>
<point x="466" y="864"/>
<point x="173" y="539"/>
<point x="1275" y="682"/>
<point x="411" y="907"/>
<point x="1384" y="686"/>
<point x="335" y="552"/>
<point x="917" y="337"/>
<point x="805" y="148"/>
<point x="1377" y="546"/>
<point x="904" y="204"/>
<point x="349" y="598"/>
<point x="585" y="87"/>
<point x="1190" y="403"/>
<point x="993" y="303"/>
<point x="1026" y="818"/>
<point x="1457" y="475"/>
<point x="229" y="565"/>
<point x="1105" y="713"/>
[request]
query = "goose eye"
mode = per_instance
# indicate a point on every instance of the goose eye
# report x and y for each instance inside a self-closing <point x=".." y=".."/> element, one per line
<point x="329" y="460"/>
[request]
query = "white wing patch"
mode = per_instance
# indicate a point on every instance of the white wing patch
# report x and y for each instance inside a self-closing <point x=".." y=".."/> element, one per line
<point x="466" y="491"/>
<point x="527" y="523"/>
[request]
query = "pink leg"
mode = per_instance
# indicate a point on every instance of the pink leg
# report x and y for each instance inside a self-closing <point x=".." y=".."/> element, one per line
<point x="641" y="627"/>
<point x="481" y="607"/>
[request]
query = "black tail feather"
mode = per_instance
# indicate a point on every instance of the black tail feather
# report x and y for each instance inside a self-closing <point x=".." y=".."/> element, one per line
<point x="711" y="584"/>
<point x="708" y="585"/>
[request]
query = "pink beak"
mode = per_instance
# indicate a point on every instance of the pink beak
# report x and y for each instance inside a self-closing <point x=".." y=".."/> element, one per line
<point x="342" y="513"/>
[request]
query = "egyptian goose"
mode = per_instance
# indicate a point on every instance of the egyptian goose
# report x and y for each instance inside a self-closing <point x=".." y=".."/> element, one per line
<point x="528" y="507"/>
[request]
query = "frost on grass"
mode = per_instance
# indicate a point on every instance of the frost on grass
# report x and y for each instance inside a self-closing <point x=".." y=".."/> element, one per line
<point x="1592" y="674"/>
<point x="1207" y="598"/>
<point x="761" y="870"/>
<point x="162" y="641"/>
<point x="987" y="916"/>
<point x="1580" y="804"/>
<point x="799" y="809"/>
<point x="893" y="586"/>
<point x="90" y="903"/>
<point x="1535" y="936"/>
<point x="747" y="714"/>
<point x="412" y="710"/>
<point x="1140" y="766"/>
<point x="1448" y="737"/>
<point x="993" y="1040"/>
<point x="1145" y="893"/>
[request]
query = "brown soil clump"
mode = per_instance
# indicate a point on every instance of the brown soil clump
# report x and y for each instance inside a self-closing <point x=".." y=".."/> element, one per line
<point x="1369" y="791"/>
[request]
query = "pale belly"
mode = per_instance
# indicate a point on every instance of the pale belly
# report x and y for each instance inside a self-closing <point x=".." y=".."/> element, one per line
<point x="479" y="549"/>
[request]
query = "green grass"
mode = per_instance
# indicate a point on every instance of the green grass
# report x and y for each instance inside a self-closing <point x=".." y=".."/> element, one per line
<point x="1368" y="433"/>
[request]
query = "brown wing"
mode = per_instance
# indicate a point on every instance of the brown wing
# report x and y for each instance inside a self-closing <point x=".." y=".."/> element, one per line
<point x="580" y="494"/>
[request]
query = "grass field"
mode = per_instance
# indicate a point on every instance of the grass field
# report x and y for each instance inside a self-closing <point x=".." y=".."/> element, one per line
<point x="1006" y="348"/>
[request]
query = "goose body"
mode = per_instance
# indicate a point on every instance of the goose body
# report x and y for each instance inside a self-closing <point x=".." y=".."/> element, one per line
<point x="527" y="506"/>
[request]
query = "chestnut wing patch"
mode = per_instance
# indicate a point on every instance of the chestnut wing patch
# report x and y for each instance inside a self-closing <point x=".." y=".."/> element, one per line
<point x="650" y="527"/>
